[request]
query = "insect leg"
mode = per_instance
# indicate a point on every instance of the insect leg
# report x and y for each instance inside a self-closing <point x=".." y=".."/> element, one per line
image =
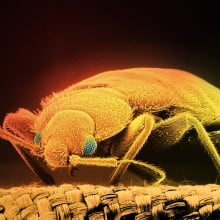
<point x="215" y="137"/>
<point x="20" y="124"/>
<point x="172" y="130"/>
<point x="75" y="160"/>
<point x="136" y="135"/>
<point x="17" y="129"/>
<point x="35" y="163"/>
<point x="205" y="140"/>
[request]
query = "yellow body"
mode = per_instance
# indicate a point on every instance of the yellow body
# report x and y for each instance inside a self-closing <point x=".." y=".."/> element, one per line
<point x="126" y="101"/>
<point x="143" y="89"/>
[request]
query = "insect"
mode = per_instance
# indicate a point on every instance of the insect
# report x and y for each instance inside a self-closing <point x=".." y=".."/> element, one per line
<point x="105" y="120"/>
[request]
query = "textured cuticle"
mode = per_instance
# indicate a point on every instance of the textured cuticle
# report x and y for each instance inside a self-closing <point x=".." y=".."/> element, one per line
<point x="56" y="154"/>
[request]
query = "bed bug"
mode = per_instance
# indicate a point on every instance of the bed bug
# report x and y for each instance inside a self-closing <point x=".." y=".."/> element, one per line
<point x="106" y="119"/>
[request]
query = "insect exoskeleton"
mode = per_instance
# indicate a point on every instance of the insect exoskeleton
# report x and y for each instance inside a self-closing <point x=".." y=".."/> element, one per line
<point x="73" y="122"/>
<point x="67" y="132"/>
<point x="106" y="119"/>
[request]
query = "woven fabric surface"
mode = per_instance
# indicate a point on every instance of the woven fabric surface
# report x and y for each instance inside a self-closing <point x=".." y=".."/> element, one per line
<point x="99" y="202"/>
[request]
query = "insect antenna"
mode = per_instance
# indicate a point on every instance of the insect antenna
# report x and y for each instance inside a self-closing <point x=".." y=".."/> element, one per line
<point x="75" y="160"/>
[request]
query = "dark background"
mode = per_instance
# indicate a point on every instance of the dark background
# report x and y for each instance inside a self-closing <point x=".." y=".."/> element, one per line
<point x="46" y="47"/>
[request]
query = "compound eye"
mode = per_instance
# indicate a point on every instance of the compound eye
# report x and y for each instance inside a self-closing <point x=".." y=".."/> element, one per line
<point x="90" y="146"/>
<point x="37" y="138"/>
